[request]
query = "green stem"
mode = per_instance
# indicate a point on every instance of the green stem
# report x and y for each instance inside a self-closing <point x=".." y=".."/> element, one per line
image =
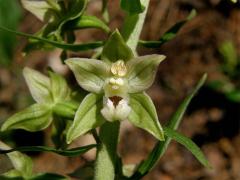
<point x="133" y="25"/>
<point x="107" y="152"/>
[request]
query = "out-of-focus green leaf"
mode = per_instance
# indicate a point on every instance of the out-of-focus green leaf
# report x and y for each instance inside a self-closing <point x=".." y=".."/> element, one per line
<point x="116" y="49"/>
<point x="45" y="176"/>
<point x="87" y="117"/>
<point x="170" y="34"/>
<point x="68" y="152"/>
<point x="22" y="164"/>
<point x="10" y="15"/>
<point x="86" y="22"/>
<point x="144" y="115"/>
<point x="34" y="118"/>
<point x="132" y="27"/>
<point x="132" y="6"/>
<point x="161" y="146"/>
<point x="105" y="10"/>
<point x="65" y="46"/>
<point x="189" y="144"/>
<point x="229" y="54"/>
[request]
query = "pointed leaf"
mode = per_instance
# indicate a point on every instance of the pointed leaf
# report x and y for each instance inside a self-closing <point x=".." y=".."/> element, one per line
<point x="87" y="117"/>
<point x="68" y="152"/>
<point x="39" y="85"/>
<point x="116" y="49"/>
<point x="90" y="73"/>
<point x="161" y="147"/>
<point x="34" y="118"/>
<point x="21" y="163"/>
<point x="144" y="115"/>
<point x="86" y="22"/>
<point x="59" y="88"/>
<point x="170" y="34"/>
<point x="132" y="6"/>
<point x="189" y="144"/>
<point x="142" y="72"/>
<point x="65" y="46"/>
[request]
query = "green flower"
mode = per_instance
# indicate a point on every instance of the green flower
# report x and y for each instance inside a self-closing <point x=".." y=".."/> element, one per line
<point x="52" y="96"/>
<point x="117" y="92"/>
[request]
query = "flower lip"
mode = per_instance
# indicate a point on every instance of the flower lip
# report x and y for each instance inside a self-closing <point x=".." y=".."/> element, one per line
<point x="115" y="100"/>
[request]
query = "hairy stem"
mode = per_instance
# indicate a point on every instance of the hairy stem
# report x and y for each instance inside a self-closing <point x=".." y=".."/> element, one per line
<point x="107" y="152"/>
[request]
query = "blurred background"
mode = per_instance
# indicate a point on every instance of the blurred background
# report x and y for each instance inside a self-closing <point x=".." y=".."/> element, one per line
<point x="209" y="43"/>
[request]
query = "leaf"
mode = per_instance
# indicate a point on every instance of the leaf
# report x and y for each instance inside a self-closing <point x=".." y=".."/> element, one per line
<point x="86" y="22"/>
<point x="132" y="27"/>
<point x="22" y="163"/>
<point x="49" y="176"/>
<point x="9" y="19"/>
<point x="132" y="6"/>
<point x="44" y="176"/>
<point x="34" y="118"/>
<point x="189" y="144"/>
<point x="87" y="117"/>
<point x="105" y="10"/>
<point x="39" y="85"/>
<point x="90" y="73"/>
<point x="116" y="49"/>
<point x="142" y="72"/>
<point x="41" y="9"/>
<point x="144" y="115"/>
<point x="59" y="88"/>
<point x="65" y="109"/>
<point x="161" y="147"/>
<point x="170" y="34"/>
<point x="65" y="46"/>
<point x="68" y="152"/>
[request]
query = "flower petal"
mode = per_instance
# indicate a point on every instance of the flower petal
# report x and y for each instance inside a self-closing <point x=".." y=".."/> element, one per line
<point x="142" y="71"/>
<point x="90" y="73"/>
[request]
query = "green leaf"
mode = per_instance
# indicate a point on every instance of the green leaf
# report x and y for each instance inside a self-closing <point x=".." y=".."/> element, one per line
<point x="87" y="117"/>
<point x="34" y="118"/>
<point x="65" y="109"/>
<point x="116" y="49"/>
<point x="144" y="115"/>
<point x="59" y="87"/>
<point x="49" y="176"/>
<point x="142" y="72"/>
<point x="41" y="9"/>
<point x="68" y="152"/>
<point x="169" y="35"/>
<point x="45" y="176"/>
<point x="132" y="27"/>
<point x="90" y="73"/>
<point x="21" y="163"/>
<point x="11" y="20"/>
<point x="65" y="46"/>
<point x="161" y="147"/>
<point x="105" y="10"/>
<point x="189" y="144"/>
<point x="39" y="85"/>
<point x="86" y="22"/>
<point x="132" y="6"/>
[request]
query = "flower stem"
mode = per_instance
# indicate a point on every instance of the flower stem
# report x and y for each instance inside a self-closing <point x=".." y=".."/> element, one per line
<point x="107" y="152"/>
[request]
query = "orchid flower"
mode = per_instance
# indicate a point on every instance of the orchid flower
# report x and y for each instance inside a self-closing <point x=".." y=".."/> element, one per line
<point x="119" y="85"/>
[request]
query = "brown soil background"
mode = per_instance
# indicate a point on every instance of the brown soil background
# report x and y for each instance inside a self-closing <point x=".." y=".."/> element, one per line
<point x="211" y="121"/>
